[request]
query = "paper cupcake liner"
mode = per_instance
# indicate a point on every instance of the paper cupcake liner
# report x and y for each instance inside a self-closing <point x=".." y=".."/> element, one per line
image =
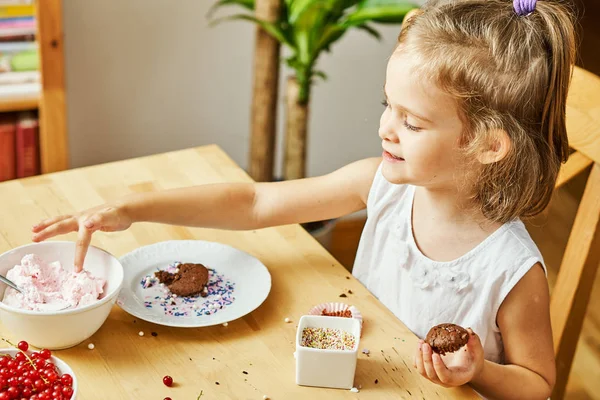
<point x="337" y="310"/>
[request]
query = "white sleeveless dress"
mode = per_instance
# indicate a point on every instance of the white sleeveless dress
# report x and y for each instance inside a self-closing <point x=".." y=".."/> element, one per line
<point x="421" y="292"/>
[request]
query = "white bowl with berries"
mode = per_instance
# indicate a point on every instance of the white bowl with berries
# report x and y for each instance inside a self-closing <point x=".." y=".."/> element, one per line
<point x="35" y="375"/>
<point x="63" y="328"/>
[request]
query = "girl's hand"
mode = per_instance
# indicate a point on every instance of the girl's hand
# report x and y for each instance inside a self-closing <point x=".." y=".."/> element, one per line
<point x="453" y="369"/>
<point x="106" y="218"/>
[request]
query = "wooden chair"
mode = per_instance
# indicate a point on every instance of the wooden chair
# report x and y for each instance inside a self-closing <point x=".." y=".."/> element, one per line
<point x="581" y="259"/>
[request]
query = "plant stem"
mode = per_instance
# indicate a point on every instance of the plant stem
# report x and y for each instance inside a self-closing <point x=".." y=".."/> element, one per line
<point x="296" y="130"/>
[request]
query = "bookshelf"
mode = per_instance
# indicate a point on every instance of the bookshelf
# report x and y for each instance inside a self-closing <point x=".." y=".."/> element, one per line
<point x="19" y="104"/>
<point x="50" y="100"/>
<point x="51" y="103"/>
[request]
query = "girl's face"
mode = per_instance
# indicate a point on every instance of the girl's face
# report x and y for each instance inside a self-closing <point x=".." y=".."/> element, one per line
<point x="420" y="129"/>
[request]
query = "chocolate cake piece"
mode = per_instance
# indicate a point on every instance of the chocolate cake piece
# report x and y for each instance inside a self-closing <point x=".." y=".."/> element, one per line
<point x="447" y="338"/>
<point x="189" y="281"/>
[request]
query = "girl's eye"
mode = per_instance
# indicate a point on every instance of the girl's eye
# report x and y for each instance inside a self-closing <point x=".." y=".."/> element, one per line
<point x="385" y="103"/>
<point x="411" y="127"/>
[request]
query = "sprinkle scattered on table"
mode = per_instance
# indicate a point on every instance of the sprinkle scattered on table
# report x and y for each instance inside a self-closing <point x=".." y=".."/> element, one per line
<point x="141" y="333"/>
<point x="91" y="346"/>
<point x="343" y="295"/>
<point x="354" y="390"/>
<point x="366" y="351"/>
<point x="287" y="320"/>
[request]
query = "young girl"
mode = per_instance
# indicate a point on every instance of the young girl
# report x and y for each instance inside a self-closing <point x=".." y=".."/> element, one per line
<point x="473" y="135"/>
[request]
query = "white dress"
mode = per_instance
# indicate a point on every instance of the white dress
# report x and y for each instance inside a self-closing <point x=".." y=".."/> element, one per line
<point x="421" y="292"/>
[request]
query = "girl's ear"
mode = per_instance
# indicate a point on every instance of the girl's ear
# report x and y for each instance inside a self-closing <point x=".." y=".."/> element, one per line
<point x="499" y="147"/>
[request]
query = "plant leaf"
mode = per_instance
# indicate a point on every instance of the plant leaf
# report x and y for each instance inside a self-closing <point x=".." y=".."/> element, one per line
<point x="249" y="4"/>
<point x="320" y="74"/>
<point x="370" y="30"/>
<point x="297" y="7"/>
<point x="382" y="11"/>
<point x="269" y="27"/>
<point x="331" y="34"/>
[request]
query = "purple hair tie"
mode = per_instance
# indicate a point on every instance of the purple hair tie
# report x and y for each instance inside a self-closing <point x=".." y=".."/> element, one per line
<point x="524" y="7"/>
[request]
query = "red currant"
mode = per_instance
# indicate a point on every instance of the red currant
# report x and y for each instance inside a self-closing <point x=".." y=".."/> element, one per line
<point x="167" y="398"/>
<point x="27" y="392"/>
<point x="46" y="354"/>
<point x="66" y="380"/>
<point x="13" y="391"/>
<point x="4" y="396"/>
<point x="4" y="361"/>
<point x="39" y="384"/>
<point x="52" y="377"/>
<point x="67" y="391"/>
<point x="167" y="380"/>
<point x="23" y="345"/>
<point x="20" y="357"/>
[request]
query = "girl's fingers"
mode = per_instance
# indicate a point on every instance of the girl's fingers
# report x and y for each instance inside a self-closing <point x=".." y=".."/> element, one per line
<point x="83" y="242"/>
<point x="442" y="372"/>
<point x="58" y="228"/>
<point x="47" y="222"/>
<point x="419" y="360"/>
<point x="428" y="363"/>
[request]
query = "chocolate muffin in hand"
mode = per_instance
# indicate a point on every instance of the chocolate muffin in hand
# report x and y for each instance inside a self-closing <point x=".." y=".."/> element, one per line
<point x="446" y="338"/>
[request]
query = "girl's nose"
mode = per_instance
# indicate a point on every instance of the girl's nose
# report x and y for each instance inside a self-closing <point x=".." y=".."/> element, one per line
<point x="387" y="131"/>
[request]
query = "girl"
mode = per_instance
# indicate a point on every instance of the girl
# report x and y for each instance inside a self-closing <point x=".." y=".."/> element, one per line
<point x="473" y="135"/>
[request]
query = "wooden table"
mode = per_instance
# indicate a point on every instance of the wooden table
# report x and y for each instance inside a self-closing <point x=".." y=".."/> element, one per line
<point x="212" y="360"/>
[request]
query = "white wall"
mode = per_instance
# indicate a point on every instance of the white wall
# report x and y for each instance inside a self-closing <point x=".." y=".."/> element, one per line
<point x="147" y="76"/>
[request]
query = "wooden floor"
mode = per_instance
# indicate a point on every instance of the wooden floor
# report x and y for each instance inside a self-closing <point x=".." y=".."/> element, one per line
<point x="550" y="232"/>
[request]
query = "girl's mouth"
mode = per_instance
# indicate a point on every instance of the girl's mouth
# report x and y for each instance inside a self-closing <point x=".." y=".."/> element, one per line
<point x="391" y="158"/>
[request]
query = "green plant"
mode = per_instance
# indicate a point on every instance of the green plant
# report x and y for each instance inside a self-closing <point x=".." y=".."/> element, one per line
<point x="309" y="27"/>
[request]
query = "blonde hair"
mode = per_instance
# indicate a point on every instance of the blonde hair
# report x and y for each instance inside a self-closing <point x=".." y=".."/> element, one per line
<point x="507" y="72"/>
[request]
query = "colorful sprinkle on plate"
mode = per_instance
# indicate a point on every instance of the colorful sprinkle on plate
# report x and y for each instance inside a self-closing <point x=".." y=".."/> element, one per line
<point x="219" y="294"/>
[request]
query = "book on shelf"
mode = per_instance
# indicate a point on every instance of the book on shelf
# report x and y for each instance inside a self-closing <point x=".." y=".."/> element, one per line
<point x="27" y="145"/>
<point x="16" y="9"/>
<point x="19" y="57"/>
<point x="19" y="145"/>
<point x="8" y="163"/>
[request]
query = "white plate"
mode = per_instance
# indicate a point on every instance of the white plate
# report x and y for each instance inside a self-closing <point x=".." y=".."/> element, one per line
<point x="251" y="282"/>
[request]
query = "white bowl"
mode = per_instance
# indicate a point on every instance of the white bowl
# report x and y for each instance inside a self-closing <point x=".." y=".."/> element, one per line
<point x="61" y="329"/>
<point x="62" y="366"/>
<point x="324" y="367"/>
